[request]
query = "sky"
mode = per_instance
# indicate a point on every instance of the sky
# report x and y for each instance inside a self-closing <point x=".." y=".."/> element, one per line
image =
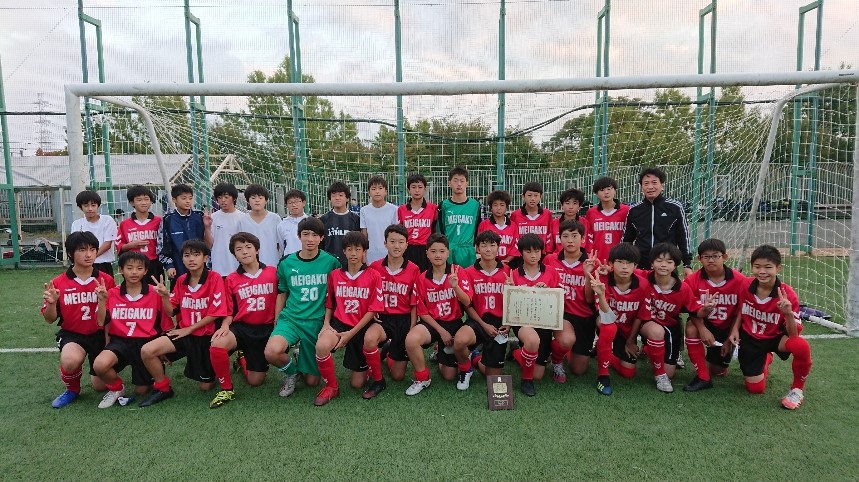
<point x="353" y="41"/>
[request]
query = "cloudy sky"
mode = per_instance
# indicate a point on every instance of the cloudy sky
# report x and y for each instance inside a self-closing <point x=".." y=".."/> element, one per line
<point x="353" y="41"/>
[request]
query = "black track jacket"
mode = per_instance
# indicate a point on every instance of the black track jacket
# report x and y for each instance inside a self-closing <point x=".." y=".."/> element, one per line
<point x="662" y="221"/>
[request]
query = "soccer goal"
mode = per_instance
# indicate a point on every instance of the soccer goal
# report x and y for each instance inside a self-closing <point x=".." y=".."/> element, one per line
<point x="754" y="158"/>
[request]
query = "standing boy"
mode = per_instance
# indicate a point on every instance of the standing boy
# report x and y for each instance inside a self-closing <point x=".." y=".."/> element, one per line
<point x="139" y="232"/>
<point x="377" y="216"/>
<point x="532" y="218"/>
<point x="571" y="202"/>
<point x="458" y="217"/>
<point x="606" y="221"/>
<point x="226" y="222"/>
<point x="287" y="230"/>
<point x="102" y="226"/>
<point x="178" y="226"/>
<point x="501" y="224"/>
<point x="263" y="224"/>
<point x="338" y="221"/>
<point x="419" y="217"/>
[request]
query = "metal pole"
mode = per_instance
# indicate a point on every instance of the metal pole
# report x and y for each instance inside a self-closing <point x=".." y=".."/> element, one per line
<point x="500" y="180"/>
<point x="401" y="139"/>
<point x="9" y="186"/>
<point x="189" y="58"/>
<point x="77" y="167"/>
<point x="705" y="175"/>
<point x="601" y="119"/>
<point x="297" y="102"/>
<point x="852" y="321"/>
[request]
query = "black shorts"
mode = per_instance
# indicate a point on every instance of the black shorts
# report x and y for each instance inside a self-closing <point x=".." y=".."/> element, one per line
<point x="444" y="358"/>
<point x="714" y="353"/>
<point x="619" y="349"/>
<point x="127" y="351"/>
<point x="585" y="330"/>
<point x="396" y="329"/>
<point x="196" y="350"/>
<point x="493" y="353"/>
<point x="753" y="353"/>
<point x="673" y="342"/>
<point x="92" y="344"/>
<point x="353" y="357"/>
<point x="417" y="254"/>
<point x="251" y="340"/>
<point x="104" y="268"/>
<point x="545" y="349"/>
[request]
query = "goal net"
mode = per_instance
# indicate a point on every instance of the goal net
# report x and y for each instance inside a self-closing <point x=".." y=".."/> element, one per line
<point x="712" y="144"/>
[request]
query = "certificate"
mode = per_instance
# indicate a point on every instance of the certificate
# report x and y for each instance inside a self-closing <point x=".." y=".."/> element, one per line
<point x="535" y="307"/>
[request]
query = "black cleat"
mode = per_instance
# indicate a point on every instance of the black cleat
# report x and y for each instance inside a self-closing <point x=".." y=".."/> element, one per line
<point x="528" y="388"/>
<point x="374" y="389"/>
<point x="697" y="384"/>
<point x="157" y="396"/>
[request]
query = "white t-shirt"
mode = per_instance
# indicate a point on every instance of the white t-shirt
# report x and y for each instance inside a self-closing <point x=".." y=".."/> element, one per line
<point x="375" y="221"/>
<point x="104" y="230"/>
<point x="287" y="233"/>
<point x="266" y="231"/>
<point x="224" y="226"/>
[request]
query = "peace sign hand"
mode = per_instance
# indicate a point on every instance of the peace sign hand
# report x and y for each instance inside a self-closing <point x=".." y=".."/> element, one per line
<point x="591" y="262"/>
<point x="160" y="287"/>
<point x="597" y="285"/>
<point x="783" y="303"/>
<point x="207" y="219"/>
<point x="453" y="277"/>
<point x="52" y="294"/>
<point x="101" y="290"/>
<point x="508" y="279"/>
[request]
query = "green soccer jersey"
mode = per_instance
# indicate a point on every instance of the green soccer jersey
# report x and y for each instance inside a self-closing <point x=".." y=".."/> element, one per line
<point x="458" y="221"/>
<point x="305" y="282"/>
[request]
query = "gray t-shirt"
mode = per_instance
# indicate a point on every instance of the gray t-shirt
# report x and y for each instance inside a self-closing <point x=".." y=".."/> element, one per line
<point x="375" y="221"/>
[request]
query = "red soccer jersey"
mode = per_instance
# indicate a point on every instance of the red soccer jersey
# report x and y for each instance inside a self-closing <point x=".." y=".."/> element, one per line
<point x="605" y="228"/>
<point x="572" y="279"/>
<point x="419" y="224"/>
<point x="761" y="318"/>
<point x="194" y="303"/>
<point x="487" y="288"/>
<point x="353" y="296"/>
<point x="509" y="234"/>
<point x="558" y="246"/>
<point x="540" y="224"/>
<point x="667" y="305"/>
<point x="727" y="294"/>
<point x="438" y="298"/>
<point x="398" y="287"/>
<point x="629" y="304"/>
<point x="130" y="229"/>
<point x="78" y="303"/>
<point x="251" y="298"/>
<point x="141" y="316"/>
<point x="549" y="276"/>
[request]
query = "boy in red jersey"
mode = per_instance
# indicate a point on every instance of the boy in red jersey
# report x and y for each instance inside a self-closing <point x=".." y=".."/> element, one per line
<point x="419" y="218"/>
<point x="487" y="277"/>
<point x="354" y="298"/>
<point x="572" y="265"/>
<point x="769" y="322"/>
<point x="536" y="343"/>
<point x="725" y="285"/>
<point x="533" y="218"/>
<point x="136" y="314"/>
<point x="669" y="297"/>
<point x="571" y="202"/>
<point x="398" y="276"/>
<point x="198" y="300"/>
<point x="441" y="293"/>
<point x="71" y="301"/>
<point x="500" y="223"/>
<point x="139" y="232"/>
<point x="251" y="293"/>
<point x="606" y="221"/>
<point x="624" y="304"/>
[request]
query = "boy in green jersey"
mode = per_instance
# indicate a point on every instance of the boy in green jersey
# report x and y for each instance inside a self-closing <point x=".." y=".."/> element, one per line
<point x="302" y="284"/>
<point x="458" y="217"/>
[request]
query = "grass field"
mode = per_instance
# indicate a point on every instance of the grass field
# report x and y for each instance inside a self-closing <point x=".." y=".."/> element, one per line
<point x="566" y="432"/>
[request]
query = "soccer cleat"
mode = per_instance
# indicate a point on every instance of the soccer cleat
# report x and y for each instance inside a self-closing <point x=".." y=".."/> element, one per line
<point x="374" y="389"/>
<point x="109" y="399"/>
<point x="417" y="387"/>
<point x="680" y="363"/>
<point x="528" y="388"/>
<point x="326" y="395"/>
<point x="793" y="399"/>
<point x="222" y="398"/>
<point x="434" y="355"/>
<point x="604" y="385"/>
<point x="238" y="363"/>
<point x="287" y="388"/>
<point x="663" y="384"/>
<point x="156" y="397"/>
<point x="464" y="380"/>
<point x="64" y="399"/>
<point x="558" y="373"/>
<point x="512" y="345"/>
<point x="697" y="384"/>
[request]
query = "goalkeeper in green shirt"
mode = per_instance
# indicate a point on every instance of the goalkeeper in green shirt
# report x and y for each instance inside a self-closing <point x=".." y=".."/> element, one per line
<point x="458" y="217"/>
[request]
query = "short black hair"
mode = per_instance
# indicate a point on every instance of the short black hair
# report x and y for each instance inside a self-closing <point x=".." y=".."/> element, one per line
<point x="339" y="186"/>
<point x="530" y="241"/>
<point x="357" y="239"/>
<point x="416" y="177"/>
<point x="652" y="171"/>
<point x="78" y="240"/>
<point x="603" y="183"/>
<point x="135" y="191"/>
<point x="180" y="189"/>
<point x="671" y="250"/>
<point x="572" y="193"/>
<point x="311" y="224"/>
<point x="243" y="237"/>
<point x="86" y="197"/>
<point x="130" y="256"/>
<point x="377" y="181"/>
<point x="533" y="187"/>
<point x="196" y="246"/>
<point x="712" y="244"/>
<point x="498" y="196"/>
<point x="226" y="188"/>
<point x="256" y="190"/>
<point x="488" y="236"/>
<point x="437" y="238"/>
<point x="295" y="194"/>
<point x="766" y="252"/>
<point x="398" y="229"/>
<point x="458" y="171"/>
<point x="624" y="252"/>
<point x="571" y="225"/>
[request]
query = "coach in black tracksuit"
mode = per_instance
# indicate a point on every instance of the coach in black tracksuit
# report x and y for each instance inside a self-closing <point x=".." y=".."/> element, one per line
<point x="657" y="219"/>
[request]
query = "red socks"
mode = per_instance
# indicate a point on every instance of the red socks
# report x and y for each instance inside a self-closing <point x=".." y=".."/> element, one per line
<point x="326" y="370"/>
<point x="162" y="385"/>
<point x="604" y="348"/>
<point x="698" y="357"/>
<point x="464" y="366"/>
<point x="72" y="381"/>
<point x="528" y="361"/>
<point x="423" y="375"/>
<point x="390" y="363"/>
<point x="798" y="347"/>
<point x="116" y="386"/>
<point x="656" y="353"/>
<point x="756" y="388"/>
<point x="374" y="361"/>
<point x="221" y="365"/>
<point x="558" y="352"/>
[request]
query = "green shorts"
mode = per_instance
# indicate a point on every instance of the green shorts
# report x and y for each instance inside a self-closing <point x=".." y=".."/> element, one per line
<point x="304" y="333"/>
<point x="462" y="255"/>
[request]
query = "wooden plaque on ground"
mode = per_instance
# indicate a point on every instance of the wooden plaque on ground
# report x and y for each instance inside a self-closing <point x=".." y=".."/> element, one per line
<point x="499" y="392"/>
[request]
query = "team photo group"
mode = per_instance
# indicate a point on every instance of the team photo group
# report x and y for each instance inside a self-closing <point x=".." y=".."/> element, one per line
<point x="419" y="283"/>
